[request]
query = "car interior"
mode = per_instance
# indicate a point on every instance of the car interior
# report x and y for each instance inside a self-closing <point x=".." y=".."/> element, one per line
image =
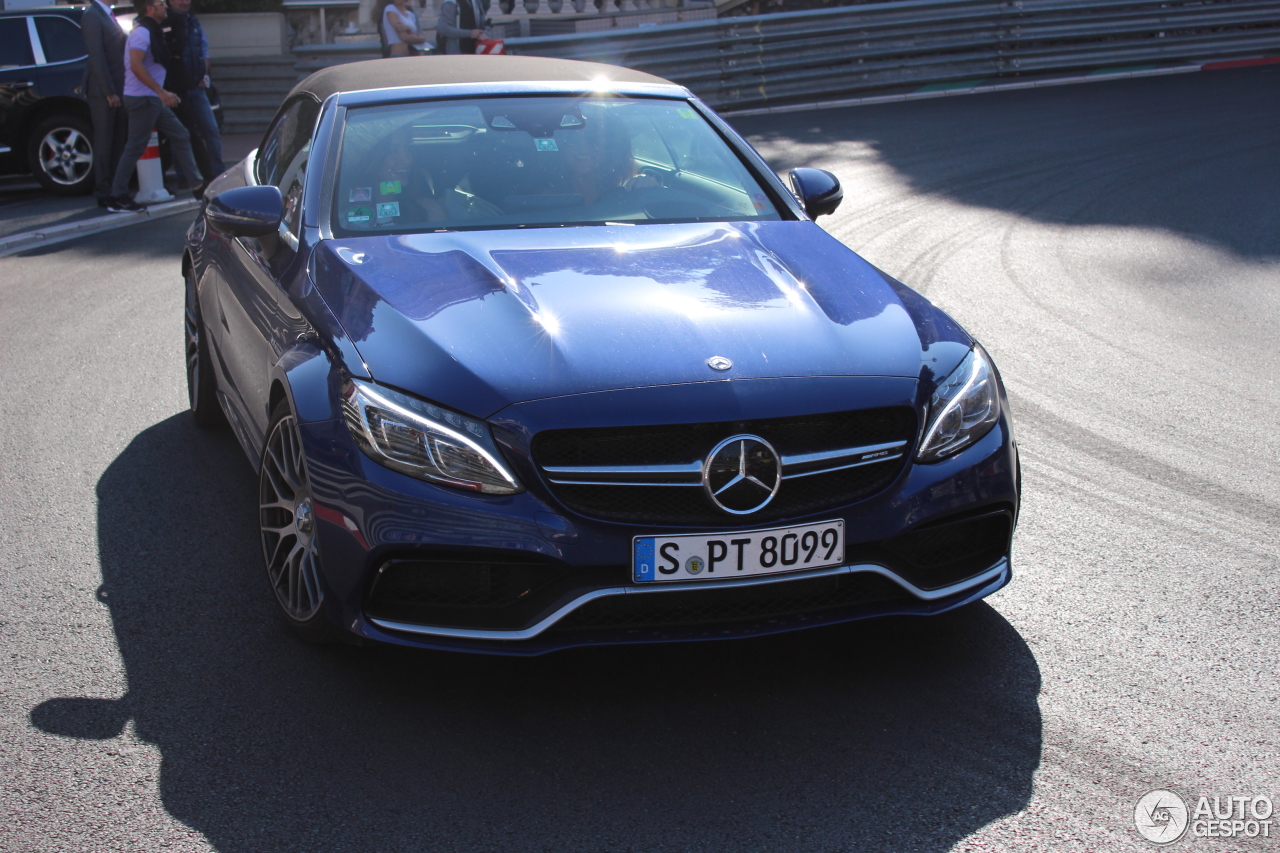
<point x="542" y="161"/>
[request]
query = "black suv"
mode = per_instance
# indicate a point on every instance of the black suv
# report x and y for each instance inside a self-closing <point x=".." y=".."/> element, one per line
<point x="44" y="118"/>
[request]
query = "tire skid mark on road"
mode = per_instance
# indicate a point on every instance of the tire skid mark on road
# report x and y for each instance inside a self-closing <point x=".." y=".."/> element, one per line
<point x="1072" y="452"/>
<point x="1141" y="504"/>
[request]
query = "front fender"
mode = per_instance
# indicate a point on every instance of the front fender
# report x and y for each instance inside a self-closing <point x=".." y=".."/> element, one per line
<point x="310" y="381"/>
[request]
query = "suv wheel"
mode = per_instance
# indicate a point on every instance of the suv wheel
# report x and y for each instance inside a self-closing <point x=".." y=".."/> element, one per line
<point x="60" y="155"/>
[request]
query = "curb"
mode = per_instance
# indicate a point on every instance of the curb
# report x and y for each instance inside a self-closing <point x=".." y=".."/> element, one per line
<point x="55" y="234"/>
<point x="1096" y="77"/>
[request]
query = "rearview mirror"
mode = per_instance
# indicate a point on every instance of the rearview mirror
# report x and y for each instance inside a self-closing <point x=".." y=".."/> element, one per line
<point x="818" y="190"/>
<point x="246" y="211"/>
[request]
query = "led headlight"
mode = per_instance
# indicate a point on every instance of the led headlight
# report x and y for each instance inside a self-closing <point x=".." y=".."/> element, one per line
<point x="425" y="441"/>
<point x="963" y="409"/>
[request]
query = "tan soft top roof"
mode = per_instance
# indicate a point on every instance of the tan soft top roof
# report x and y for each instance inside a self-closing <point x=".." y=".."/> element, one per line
<point x="435" y="70"/>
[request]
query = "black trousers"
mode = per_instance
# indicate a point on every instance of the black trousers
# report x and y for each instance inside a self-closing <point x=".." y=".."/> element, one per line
<point x="191" y="122"/>
<point x="110" y="127"/>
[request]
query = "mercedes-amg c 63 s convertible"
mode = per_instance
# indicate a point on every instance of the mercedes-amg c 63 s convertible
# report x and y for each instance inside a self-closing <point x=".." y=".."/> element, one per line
<point x="531" y="354"/>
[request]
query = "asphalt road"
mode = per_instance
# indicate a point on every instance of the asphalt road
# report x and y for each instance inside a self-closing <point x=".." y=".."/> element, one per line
<point x="25" y="206"/>
<point x="1116" y="247"/>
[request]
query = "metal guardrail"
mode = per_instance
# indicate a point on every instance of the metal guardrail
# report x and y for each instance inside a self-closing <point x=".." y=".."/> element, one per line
<point x="766" y="60"/>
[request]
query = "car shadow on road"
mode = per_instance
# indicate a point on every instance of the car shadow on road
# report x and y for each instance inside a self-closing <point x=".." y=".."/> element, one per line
<point x="1192" y="154"/>
<point x="900" y="734"/>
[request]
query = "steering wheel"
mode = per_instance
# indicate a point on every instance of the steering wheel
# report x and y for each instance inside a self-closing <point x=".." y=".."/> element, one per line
<point x="657" y="175"/>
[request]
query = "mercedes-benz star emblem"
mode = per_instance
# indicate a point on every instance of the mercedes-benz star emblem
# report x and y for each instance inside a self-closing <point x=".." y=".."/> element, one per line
<point x="742" y="474"/>
<point x="719" y="362"/>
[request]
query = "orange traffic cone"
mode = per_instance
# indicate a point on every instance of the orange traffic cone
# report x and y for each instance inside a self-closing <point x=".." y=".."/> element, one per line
<point x="151" y="174"/>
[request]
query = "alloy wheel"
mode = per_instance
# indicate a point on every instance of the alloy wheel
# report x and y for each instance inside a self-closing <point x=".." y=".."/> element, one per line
<point x="287" y="518"/>
<point x="66" y="155"/>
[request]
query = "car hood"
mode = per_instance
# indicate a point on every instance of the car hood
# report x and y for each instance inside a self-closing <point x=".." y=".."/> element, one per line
<point x="479" y="320"/>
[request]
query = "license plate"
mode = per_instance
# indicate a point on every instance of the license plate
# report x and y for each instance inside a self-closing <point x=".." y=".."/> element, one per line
<point x="720" y="556"/>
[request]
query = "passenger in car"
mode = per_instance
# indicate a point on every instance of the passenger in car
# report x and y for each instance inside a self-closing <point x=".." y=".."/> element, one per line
<point x="402" y="189"/>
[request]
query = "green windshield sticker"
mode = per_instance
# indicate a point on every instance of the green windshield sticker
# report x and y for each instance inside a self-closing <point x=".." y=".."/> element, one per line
<point x="686" y="113"/>
<point x="389" y="188"/>
<point x="545" y="144"/>
<point x="359" y="214"/>
<point x="388" y="209"/>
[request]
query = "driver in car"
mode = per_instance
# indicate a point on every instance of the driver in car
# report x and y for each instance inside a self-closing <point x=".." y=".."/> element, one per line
<point x="600" y="160"/>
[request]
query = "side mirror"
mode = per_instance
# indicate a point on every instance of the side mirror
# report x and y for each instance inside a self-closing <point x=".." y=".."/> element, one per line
<point x="818" y="190"/>
<point x="246" y="211"/>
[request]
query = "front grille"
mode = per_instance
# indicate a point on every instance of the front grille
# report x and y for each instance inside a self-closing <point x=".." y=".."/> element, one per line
<point x="732" y="604"/>
<point x="682" y="444"/>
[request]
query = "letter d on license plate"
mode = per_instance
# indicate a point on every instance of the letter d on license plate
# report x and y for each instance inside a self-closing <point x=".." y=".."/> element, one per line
<point x="721" y="556"/>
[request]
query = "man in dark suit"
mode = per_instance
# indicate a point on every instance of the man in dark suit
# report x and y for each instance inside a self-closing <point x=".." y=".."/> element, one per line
<point x="103" y="86"/>
<point x="461" y="23"/>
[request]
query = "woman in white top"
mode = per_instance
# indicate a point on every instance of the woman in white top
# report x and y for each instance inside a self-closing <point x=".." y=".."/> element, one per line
<point x="400" y="28"/>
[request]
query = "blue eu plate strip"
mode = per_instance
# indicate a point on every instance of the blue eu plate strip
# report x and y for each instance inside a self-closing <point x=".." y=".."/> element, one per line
<point x="644" y="563"/>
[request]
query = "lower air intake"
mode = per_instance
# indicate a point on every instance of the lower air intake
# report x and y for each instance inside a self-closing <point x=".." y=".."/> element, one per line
<point x="731" y="604"/>
<point x="948" y="552"/>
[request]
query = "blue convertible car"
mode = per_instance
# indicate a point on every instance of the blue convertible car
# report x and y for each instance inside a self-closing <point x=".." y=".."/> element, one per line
<point x="532" y="354"/>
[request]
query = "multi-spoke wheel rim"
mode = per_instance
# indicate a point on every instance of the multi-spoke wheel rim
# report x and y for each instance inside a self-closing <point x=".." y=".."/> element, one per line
<point x="287" y="518"/>
<point x="66" y="155"/>
<point x="192" y="329"/>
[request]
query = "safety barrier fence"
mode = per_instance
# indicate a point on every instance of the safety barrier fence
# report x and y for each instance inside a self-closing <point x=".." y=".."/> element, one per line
<point x="765" y="60"/>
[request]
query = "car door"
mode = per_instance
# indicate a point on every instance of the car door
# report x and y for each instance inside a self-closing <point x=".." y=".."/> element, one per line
<point x="259" y="319"/>
<point x="18" y="88"/>
<point x="64" y="55"/>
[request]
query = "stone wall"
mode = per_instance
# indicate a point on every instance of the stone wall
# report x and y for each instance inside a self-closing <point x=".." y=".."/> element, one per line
<point x="236" y="34"/>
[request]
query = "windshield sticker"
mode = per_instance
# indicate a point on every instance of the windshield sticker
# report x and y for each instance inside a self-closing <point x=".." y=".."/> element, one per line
<point x="389" y="188"/>
<point x="686" y="113"/>
<point x="760" y="200"/>
<point x="545" y="144"/>
<point x="388" y="209"/>
<point x="359" y="214"/>
<point x="361" y="194"/>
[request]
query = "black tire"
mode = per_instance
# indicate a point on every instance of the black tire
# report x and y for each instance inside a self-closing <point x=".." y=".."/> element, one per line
<point x="289" y="547"/>
<point x="202" y="386"/>
<point x="60" y="155"/>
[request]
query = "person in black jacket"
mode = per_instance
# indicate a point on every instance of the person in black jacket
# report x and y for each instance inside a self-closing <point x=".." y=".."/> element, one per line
<point x="103" y="85"/>
<point x="190" y="48"/>
<point x="461" y="23"/>
<point x="179" y="80"/>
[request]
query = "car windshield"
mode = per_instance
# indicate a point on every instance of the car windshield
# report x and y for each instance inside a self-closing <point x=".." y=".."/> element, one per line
<point x="538" y="161"/>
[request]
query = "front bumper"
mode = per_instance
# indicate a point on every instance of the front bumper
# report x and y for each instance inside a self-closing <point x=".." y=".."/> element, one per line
<point x="372" y="517"/>
<point x="541" y="637"/>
